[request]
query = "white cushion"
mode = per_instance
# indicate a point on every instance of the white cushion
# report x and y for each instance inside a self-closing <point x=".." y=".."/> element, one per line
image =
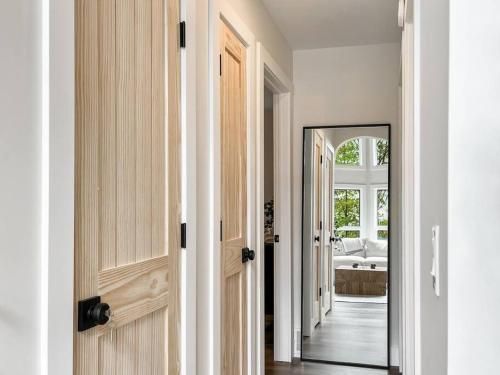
<point x="347" y="260"/>
<point x="376" y="248"/>
<point x="378" y="261"/>
<point x="352" y="244"/>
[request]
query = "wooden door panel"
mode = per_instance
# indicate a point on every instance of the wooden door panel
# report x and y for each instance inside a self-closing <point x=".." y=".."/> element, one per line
<point x="233" y="203"/>
<point x="135" y="290"/>
<point x="127" y="207"/>
<point x="317" y="227"/>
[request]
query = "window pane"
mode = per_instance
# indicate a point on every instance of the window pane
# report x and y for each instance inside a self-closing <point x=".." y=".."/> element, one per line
<point x="347" y="208"/>
<point x="382" y="234"/>
<point x="382" y="207"/>
<point x="347" y="233"/>
<point x="348" y="153"/>
<point x="382" y="147"/>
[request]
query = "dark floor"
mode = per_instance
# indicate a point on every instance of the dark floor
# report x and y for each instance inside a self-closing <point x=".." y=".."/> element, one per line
<point x="351" y="333"/>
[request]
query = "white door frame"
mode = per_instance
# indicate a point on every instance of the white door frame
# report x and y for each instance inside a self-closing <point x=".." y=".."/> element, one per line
<point x="326" y="238"/>
<point x="222" y="10"/>
<point x="270" y="75"/>
<point x="410" y="306"/>
<point x="57" y="175"/>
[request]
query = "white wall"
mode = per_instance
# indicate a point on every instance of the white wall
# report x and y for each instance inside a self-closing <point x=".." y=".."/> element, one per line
<point x="20" y="167"/>
<point x="431" y="27"/>
<point x="256" y="17"/>
<point x="473" y="208"/>
<point x="347" y="85"/>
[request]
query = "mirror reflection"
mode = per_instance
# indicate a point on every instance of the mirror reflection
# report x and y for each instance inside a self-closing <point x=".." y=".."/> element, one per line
<point x="345" y="282"/>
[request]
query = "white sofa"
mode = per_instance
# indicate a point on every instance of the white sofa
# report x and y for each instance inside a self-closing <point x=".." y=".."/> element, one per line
<point x="365" y="252"/>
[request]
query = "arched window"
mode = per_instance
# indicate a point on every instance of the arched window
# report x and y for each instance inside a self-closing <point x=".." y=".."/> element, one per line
<point x="349" y="153"/>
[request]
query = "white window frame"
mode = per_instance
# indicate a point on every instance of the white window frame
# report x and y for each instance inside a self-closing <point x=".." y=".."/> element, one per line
<point x="362" y="208"/>
<point x="374" y="227"/>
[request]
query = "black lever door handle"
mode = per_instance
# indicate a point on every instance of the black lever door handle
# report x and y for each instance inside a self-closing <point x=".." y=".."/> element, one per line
<point x="317" y="238"/>
<point x="247" y="254"/>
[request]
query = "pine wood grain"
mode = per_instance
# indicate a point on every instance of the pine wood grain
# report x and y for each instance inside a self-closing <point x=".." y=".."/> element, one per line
<point x="233" y="203"/>
<point x="127" y="182"/>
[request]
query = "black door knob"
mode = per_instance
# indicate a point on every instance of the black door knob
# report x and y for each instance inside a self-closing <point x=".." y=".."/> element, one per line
<point x="99" y="314"/>
<point x="316" y="238"/>
<point x="247" y="254"/>
<point x="92" y="312"/>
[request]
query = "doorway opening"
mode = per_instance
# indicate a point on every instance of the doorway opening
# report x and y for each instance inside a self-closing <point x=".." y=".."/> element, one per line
<point x="269" y="234"/>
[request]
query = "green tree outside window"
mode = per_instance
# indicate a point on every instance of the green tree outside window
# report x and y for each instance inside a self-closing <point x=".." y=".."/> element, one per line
<point x="382" y="147"/>
<point x="347" y="212"/>
<point x="349" y="153"/>
<point x="382" y="213"/>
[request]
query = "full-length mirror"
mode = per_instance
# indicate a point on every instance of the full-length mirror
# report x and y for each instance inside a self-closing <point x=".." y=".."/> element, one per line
<point x="345" y="283"/>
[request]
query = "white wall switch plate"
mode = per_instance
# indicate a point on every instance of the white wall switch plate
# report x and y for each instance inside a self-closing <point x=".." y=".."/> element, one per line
<point x="435" y="259"/>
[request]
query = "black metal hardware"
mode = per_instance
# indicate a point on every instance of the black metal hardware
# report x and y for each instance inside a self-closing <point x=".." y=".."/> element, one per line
<point x="182" y="32"/>
<point x="220" y="65"/>
<point x="183" y="236"/>
<point x="247" y="254"/>
<point x="276" y="238"/>
<point x="320" y="292"/>
<point x="317" y="238"/>
<point x="91" y="313"/>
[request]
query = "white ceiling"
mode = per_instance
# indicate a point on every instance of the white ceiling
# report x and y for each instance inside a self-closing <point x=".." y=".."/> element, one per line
<point x="308" y="24"/>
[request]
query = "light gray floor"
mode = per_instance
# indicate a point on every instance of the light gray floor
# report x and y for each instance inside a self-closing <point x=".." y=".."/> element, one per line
<point x="352" y="333"/>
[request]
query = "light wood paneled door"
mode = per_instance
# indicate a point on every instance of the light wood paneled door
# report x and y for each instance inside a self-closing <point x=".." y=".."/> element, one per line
<point x="327" y="296"/>
<point x="317" y="241"/>
<point x="233" y="203"/>
<point x="127" y="209"/>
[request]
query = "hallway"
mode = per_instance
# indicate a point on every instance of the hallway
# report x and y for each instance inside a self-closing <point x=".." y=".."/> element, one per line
<point x="352" y="333"/>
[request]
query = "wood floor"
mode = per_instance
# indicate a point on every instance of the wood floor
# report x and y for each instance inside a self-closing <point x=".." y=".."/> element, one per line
<point x="350" y="321"/>
<point x="351" y="333"/>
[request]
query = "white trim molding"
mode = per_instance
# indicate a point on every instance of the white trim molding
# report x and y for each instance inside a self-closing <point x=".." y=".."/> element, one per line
<point x="270" y="75"/>
<point x="410" y="325"/>
<point x="58" y="173"/>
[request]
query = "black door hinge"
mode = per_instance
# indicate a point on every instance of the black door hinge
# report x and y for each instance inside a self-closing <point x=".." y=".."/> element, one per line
<point x="221" y="231"/>
<point x="183" y="235"/>
<point x="321" y="159"/>
<point x="220" y="65"/>
<point x="182" y="32"/>
<point x="320" y="292"/>
<point x="276" y="238"/>
<point x="320" y="225"/>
